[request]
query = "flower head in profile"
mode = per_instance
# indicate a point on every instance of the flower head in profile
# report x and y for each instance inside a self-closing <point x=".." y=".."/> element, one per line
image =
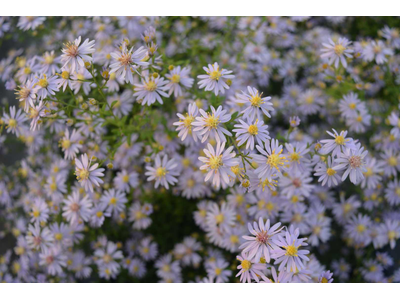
<point x="88" y="174"/>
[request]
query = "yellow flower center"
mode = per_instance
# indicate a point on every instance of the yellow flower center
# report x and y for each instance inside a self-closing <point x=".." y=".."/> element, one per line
<point x="339" y="140"/>
<point x="161" y="172"/>
<point x="324" y="280"/>
<point x="212" y="121"/>
<point x="190" y="183"/>
<point x="43" y="82"/>
<point x="58" y="236"/>
<point x="218" y="271"/>
<point x="339" y="49"/>
<point x="309" y="99"/>
<point x="360" y="228"/>
<point x="295" y="156"/>
<point x="125" y="178"/>
<point x="36" y="213"/>
<point x="107" y="258"/>
<point x="151" y="86"/>
<point x="219" y="218"/>
<point x="176" y="78"/>
<point x="392" y="161"/>
<point x="369" y="172"/>
<point x="187" y="122"/>
<point x="113" y="201"/>
<point x="246" y="265"/>
<point x="82" y="174"/>
<point x="234" y="239"/>
<point x="99" y="214"/>
<point x="12" y="123"/>
<point x="352" y="105"/>
<point x="291" y="250"/>
<point x="215" y="162"/>
<point x="330" y="172"/>
<point x="215" y="75"/>
<point x="391" y="235"/>
<point x="66" y="144"/>
<point x="256" y="100"/>
<point x="253" y="129"/>
<point x="274" y="160"/>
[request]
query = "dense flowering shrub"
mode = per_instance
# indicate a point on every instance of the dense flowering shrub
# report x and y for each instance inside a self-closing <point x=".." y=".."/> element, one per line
<point x="207" y="149"/>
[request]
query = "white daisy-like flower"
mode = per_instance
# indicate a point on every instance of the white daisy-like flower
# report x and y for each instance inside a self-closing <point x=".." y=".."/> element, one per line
<point x="47" y="86"/>
<point x="126" y="62"/>
<point x="114" y="200"/>
<point x="337" y="51"/>
<point x="75" y="55"/>
<point x="288" y="255"/>
<point x="337" y="145"/>
<point x="124" y="180"/>
<point x="210" y="124"/>
<point x="185" y="124"/>
<point x="14" y="121"/>
<point x="271" y="161"/>
<point x="353" y="160"/>
<point x="251" y="133"/>
<point x="218" y="163"/>
<point x="179" y="79"/>
<point x="262" y="241"/>
<point x="53" y="259"/>
<point x="349" y="105"/>
<point x="215" y="80"/>
<point x="163" y="172"/>
<point x="326" y="173"/>
<point x="27" y="93"/>
<point x="250" y="269"/>
<point x="76" y="208"/>
<point x="88" y="174"/>
<point x="255" y="104"/>
<point x="70" y="144"/>
<point x="27" y="23"/>
<point x="151" y="90"/>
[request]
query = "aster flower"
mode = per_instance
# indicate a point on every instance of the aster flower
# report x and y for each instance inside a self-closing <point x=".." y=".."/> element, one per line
<point x="218" y="270"/>
<point x="262" y="241"/>
<point x="14" y="121"/>
<point x="88" y="174"/>
<point x="124" y="181"/>
<point x="163" y="172"/>
<point x="377" y="50"/>
<point x="75" y="55"/>
<point x="151" y="90"/>
<point x="251" y="133"/>
<point x="114" y="200"/>
<point x="271" y="161"/>
<point x="40" y="211"/>
<point x="337" y="51"/>
<point x="185" y="124"/>
<point x="76" y="208"/>
<point x="353" y="160"/>
<point x="26" y="94"/>
<point x="218" y="163"/>
<point x="179" y="78"/>
<point x="30" y="23"/>
<point x="250" y="269"/>
<point x="339" y="144"/>
<point x="326" y="277"/>
<point x="53" y="259"/>
<point x="326" y="173"/>
<point x="39" y="238"/>
<point x="70" y="144"/>
<point x="139" y="215"/>
<point x="45" y="87"/>
<point x="394" y="120"/>
<point x="126" y="62"/>
<point x="255" y="104"/>
<point x="359" y="229"/>
<point x="210" y="124"/>
<point x="216" y="80"/>
<point x="288" y="255"/>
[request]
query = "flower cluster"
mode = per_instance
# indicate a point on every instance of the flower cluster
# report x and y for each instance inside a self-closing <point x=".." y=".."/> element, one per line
<point x="179" y="149"/>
